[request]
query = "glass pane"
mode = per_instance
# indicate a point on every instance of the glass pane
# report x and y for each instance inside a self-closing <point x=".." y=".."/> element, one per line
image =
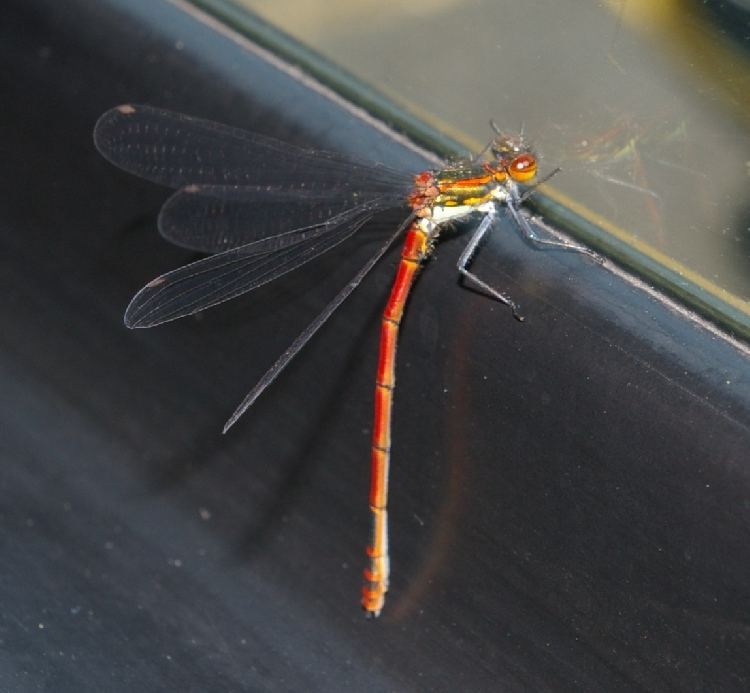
<point x="644" y="105"/>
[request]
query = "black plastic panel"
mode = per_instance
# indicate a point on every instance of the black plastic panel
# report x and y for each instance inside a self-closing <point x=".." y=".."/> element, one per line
<point x="569" y="495"/>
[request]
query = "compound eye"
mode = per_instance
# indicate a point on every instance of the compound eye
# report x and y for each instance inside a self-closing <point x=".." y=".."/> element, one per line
<point x="522" y="168"/>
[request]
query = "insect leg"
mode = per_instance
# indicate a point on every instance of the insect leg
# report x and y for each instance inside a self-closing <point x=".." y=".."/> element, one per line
<point x="465" y="260"/>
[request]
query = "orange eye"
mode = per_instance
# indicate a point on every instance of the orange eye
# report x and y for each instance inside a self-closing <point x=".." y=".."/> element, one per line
<point x="523" y="168"/>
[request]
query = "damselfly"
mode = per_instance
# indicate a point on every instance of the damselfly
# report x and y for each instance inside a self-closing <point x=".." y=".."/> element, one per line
<point x="264" y="207"/>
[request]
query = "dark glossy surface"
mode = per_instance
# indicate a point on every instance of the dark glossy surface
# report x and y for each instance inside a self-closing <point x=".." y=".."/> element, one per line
<point x="570" y="495"/>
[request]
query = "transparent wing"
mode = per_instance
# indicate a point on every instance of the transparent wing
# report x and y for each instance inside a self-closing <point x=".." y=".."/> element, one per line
<point x="176" y="150"/>
<point x="218" y="278"/>
<point x="211" y="218"/>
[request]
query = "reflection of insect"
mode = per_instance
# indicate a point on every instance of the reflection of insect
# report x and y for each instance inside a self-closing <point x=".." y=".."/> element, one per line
<point x="265" y="207"/>
<point x="676" y="189"/>
<point x="651" y="160"/>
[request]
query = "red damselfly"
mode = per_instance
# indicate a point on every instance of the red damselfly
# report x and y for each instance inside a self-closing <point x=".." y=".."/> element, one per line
<point x="262" y="208"/>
